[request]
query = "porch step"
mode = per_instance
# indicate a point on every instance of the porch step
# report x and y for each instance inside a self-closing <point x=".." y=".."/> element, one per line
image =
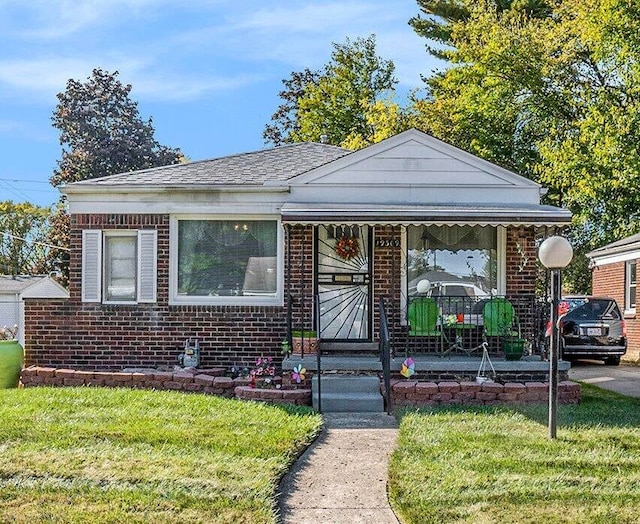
<point x="348" y="393"/>
<point x="352" y="348"/>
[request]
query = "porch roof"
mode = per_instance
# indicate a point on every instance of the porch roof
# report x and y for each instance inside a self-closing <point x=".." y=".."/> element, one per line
<point x="441" y="214"/>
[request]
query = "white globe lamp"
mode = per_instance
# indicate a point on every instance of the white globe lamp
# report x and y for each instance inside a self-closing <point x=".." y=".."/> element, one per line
<point x="423" y="286"/>
<point x="555" y="253"/>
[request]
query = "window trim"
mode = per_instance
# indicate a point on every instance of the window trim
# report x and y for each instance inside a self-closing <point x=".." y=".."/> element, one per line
<point x="628" y="309"/>
<point x="501" y="248"/>
<point x="93" y="270"/>
<point x="113" y="233"/>
<point x="176" y="299"/>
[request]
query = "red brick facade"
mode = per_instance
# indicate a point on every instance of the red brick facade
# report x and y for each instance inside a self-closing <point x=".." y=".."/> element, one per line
<point x="110" y="337"/>
<point x="609" y="280"/>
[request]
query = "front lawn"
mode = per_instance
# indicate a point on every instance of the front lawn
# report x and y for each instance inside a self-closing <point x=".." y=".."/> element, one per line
<point x="497" y="465"/>
<point x="118" y="455"/>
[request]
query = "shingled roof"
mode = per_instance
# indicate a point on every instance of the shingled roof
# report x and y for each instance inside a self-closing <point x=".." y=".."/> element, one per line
<point x="631" y="243"/>
<point x="255" y="168"/>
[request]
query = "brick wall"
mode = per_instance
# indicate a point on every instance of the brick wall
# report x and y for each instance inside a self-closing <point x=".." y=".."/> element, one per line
<point x="521" y="261"/>
<point x="387" y="278"/>
<point x="609" y="280"/>
<point x="108" y="337"/>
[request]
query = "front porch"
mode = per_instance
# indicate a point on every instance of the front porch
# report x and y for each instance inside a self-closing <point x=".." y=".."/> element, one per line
<point x="459" y="368"/>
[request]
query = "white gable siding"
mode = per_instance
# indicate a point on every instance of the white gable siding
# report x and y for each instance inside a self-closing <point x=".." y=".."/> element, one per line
<point x="413" y="169"/>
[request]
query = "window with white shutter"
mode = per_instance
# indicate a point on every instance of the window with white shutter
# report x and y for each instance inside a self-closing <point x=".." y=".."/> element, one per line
<point x="119" y="266"/>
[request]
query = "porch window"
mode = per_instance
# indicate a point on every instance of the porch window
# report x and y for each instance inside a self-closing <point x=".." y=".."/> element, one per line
<point x="454" y="260"/>
<point x="226" y="261"/>
<point x="630" y="288"/>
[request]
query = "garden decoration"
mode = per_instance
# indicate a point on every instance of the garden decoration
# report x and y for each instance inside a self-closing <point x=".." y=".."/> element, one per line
<point x="408" y="368"/>
<point x="347" y="247"/>
<point x="264" y="373"/>
<point x="298" y="373"/>
<point x="485" y="365"/>
<point x="285" y="348"/>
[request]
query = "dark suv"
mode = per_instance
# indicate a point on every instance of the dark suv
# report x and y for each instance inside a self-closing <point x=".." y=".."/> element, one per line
<point x="592" y="327"/>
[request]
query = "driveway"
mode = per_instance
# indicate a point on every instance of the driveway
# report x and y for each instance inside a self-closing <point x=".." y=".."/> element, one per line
<point x="624" y="379"/>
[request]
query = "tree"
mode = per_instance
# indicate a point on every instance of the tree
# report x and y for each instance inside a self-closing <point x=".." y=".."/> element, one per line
<point x="101" y="133"/>
<point x="24" y="230"/>
<point x="349" y="101"/>
<point x="284" y="119"/>
<point x="440" y="16"/>
<point x="553" y="97"/>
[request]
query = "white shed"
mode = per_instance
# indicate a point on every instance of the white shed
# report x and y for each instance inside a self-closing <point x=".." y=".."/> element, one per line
<point x="13" y="289"/>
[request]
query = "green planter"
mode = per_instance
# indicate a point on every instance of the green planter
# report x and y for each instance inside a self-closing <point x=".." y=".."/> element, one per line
<point x="513" y="348"/>
<point x="11" y="360"/>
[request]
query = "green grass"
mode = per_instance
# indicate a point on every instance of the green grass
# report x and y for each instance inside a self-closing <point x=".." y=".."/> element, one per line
<point x="498" y="465"/>
<point x="117" y="455"/>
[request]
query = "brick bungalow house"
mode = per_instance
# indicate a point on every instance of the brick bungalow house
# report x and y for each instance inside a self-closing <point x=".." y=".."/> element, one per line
<point x="614" y="275"/>
<point x="235" y="250"/>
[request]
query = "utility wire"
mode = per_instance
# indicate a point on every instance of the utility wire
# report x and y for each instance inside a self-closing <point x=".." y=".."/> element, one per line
<point x="3" y="233"/>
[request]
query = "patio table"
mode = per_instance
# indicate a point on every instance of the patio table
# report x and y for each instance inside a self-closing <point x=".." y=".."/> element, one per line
<point x="458" y="330"/>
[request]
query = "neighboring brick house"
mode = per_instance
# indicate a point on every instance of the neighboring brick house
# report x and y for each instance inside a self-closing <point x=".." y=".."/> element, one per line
<point x="235" y="250"/>
<point x="614" y="275"/>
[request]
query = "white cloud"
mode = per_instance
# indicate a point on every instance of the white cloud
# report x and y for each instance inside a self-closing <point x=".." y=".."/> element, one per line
<point x="314" y="17"/>
<point x="215" y="49"/>
<point x="47" y="75"/>
<point x="47" y="19"/>
<point x="183" y="88"/>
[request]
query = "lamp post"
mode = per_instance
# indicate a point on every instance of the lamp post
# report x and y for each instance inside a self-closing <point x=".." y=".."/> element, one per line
<point x="555" y="253"/>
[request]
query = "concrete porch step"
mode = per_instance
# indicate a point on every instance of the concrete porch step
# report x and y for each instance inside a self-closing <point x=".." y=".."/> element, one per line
<point x="351" y="348"/>
<point x="348" y="393"/>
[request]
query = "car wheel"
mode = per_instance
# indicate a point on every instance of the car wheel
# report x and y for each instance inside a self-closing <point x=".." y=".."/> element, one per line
<point x="612" y="361"/>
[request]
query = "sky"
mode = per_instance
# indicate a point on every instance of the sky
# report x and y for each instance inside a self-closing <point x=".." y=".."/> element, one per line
<point x="207" y="71"/>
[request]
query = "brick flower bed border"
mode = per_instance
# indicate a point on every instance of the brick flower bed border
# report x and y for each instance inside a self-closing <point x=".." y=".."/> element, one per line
<point x="209" y="382"/>
<point x="404" y="393"/>
<point x="415" y="393"/>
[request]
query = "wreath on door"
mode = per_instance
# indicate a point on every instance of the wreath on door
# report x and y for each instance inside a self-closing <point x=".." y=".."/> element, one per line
<point x="347" y="247"/>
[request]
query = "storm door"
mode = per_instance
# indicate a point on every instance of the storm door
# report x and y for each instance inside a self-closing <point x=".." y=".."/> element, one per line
<point x="343" y="282"/>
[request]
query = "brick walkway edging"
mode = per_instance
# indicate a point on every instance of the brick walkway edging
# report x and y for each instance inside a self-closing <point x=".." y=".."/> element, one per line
<point x="414" y="393"/>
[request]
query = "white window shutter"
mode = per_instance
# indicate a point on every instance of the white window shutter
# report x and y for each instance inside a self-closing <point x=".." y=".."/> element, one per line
<point x="147" y="265"/>
<point x="91" y="265"/>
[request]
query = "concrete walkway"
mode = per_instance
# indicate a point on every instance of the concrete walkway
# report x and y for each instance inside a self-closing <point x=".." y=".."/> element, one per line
<point x="342" y="477"/>
<point x="623" y="379"/>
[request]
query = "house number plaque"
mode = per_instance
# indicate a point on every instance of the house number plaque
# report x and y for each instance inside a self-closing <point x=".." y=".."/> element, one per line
<point x="387" y="242"/>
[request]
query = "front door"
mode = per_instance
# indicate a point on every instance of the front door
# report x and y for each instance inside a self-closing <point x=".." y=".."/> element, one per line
<point x="343" y="282"/>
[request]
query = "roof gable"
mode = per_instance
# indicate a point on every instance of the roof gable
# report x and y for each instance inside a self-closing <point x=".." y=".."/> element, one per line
<point x="627" y="245"/>
<point x="412" y="158"/>
<point x="32" y="286"/>
<point x="413" y="168"/>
